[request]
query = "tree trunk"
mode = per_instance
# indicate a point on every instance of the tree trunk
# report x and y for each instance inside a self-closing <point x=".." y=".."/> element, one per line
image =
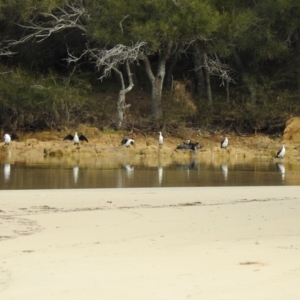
<point x="156" y="95"/>
<point x="245" y="77"/>
<point x="158" y="80"/>
<point x="199" y="77"/>
<point x="169" y="76"/>
<point x="227" y="92"/>
<point x="208" y="88"/>
<point x="207" y="79"/>
<point x="156" y="85"/>
<point x="121" y="105"/>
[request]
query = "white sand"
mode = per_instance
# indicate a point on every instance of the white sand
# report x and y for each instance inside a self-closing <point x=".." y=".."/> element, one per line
<point x="240" y="243"/>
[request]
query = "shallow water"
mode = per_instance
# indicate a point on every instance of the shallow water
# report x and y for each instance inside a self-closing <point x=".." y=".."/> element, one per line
<point x="62" y="174"/>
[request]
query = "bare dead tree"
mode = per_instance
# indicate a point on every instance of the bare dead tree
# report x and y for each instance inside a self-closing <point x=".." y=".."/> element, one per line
<point x="110" y="60"/>
<point x="214" y="67"/>
<point x="116" y="56"/>
<point x="71" y="16"/>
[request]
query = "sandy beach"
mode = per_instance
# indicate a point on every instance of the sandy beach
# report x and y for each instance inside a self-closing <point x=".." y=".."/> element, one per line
<point x="232" y="243"/>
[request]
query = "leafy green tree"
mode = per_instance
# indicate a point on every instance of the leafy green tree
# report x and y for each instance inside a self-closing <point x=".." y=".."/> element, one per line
<point x="38" y="102"/>
<point x="164" y="25"/>
<point x="250" y="38"/>
<point x="286" y="24"/>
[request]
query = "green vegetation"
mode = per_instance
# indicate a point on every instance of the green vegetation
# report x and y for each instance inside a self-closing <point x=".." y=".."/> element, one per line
<point x="233" y="64"/>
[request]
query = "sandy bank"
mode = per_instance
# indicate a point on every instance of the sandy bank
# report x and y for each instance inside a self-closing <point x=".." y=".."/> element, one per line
<point x="170" y="243"/>
<point x="37" y="147"/>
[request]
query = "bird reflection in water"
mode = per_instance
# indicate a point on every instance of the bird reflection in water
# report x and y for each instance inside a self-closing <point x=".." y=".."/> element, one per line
<point x="224" y="169"/>
<point x="159" y="169"/>
<point x="160" y="175"/>
<point x="6" y="171"/>
<point x="75" y="173"/>
<point x="129" y="170"/>
<point x="192" y="165"/>
<point x="281" y="169"/>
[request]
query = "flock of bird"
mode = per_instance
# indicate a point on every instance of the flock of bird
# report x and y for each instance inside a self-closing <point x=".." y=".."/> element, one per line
<point x="183" y="146"/>
<point x="130" y="141"/>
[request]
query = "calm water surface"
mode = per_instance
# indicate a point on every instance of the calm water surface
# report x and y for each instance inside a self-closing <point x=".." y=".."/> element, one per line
<point x="66" y="175"/>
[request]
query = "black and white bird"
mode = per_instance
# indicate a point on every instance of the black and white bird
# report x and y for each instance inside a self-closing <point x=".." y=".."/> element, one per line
<point x="127" y="142"/>
<point x="7" y="139"/>
<point x="194" y="148"/>
<point x="76" y="138"/>
<point x="160" y="139"/>
<point x="189" y="145"/>
<point x="224" y="143"/>
<point x="184" y="145"/>
<point x="281" y="152"/>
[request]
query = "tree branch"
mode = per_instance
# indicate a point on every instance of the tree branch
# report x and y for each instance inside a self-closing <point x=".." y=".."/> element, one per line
<point x="214" y="67"/>
<point x="4" y="50"/>
<point x="122" y="22"/>
<point x="148" y="67"/>
<point x="111" y="59"/>
<point x="70" y="16"/>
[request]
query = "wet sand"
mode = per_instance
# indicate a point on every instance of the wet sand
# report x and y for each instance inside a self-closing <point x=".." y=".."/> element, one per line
<point x="218" y="243"/>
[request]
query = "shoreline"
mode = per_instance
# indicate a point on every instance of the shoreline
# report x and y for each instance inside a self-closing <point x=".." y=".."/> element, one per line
<point x="39" y="147"/>
<point x="151" y="243"/>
